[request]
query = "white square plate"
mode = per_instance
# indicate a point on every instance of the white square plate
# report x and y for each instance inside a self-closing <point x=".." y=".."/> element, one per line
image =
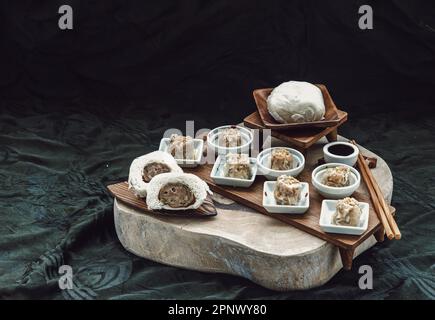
<point x="269" y="202"/>
<point x="217" y="174"/>
<point x="328" y="210"/>
<point x="198" y="145"/>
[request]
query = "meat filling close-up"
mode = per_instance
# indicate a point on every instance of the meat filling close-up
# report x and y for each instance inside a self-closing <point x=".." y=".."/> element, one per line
<point x="153" y="169"/>
<point x="176" y="195"/>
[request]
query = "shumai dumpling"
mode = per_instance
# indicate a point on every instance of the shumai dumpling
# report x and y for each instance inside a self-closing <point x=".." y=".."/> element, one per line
<point x="176" y="191"/>
<point x="145" y="168"/>
<point x="348" y="213"/>
<point x="229" y="138"/>
<point x="237" y="166"/>
<point x="281" y="159"/>
<point x="296" y="102"/>
<point x="181" y="147"/>
<point x="287" y="191"/>
<point x="337" y="177"/>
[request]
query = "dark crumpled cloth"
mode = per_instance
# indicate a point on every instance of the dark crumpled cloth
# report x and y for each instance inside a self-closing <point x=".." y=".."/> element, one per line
<point x="77" y="107"/>
<point x="54" y="210"/>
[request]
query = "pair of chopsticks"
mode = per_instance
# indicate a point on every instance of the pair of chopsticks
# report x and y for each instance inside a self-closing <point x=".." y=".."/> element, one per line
<point x="391" y="229"/>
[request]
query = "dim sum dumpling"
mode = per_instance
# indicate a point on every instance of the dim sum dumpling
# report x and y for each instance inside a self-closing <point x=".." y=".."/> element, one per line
<point x="237" y="166"/>
<point x="337" y="177"/>
<point x="348" y="213"/>
<point x="281" y="159"/>
<point x="287" y="191"/>
<point x="176" y="191"/>
<point x="143" y="169"/>
<point x="181" y="147"/>
<point x="296" y="102"/>
<point x="230" y="137"/>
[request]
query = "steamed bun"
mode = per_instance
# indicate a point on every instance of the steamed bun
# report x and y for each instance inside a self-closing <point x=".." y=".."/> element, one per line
<point x="296" y="102"/>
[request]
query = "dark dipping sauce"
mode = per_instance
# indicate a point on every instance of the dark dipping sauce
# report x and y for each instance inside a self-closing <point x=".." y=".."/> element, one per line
<point x="341" y="150"/>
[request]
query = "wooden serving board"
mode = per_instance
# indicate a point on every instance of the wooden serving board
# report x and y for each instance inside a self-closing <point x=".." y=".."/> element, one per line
<point x="121" y="192"/>
<point x="309" y="222"/>
<point x="302" y="138"/>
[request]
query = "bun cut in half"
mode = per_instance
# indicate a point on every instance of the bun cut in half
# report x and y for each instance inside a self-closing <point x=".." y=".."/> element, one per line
<point x="176" y="191"/>
<point x="145" y="168"/>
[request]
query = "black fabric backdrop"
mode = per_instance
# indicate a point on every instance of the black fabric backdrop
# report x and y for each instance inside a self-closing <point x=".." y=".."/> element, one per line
<point x="77" y="106"/>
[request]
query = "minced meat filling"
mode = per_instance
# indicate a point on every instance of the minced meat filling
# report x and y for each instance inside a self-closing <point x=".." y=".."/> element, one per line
<point x="153" y="169"/>
<point x="176" y="195"/>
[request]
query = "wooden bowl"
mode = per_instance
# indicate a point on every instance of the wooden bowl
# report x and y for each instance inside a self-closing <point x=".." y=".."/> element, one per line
<point x="331" y="113"/>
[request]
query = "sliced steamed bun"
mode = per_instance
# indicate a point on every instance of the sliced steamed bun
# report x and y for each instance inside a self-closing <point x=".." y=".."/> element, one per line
<point x="176" y="191"/>
<point x="144" y="168"/>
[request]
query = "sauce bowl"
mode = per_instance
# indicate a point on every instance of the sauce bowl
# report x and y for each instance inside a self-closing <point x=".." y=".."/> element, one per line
<point x="348" y="159"/>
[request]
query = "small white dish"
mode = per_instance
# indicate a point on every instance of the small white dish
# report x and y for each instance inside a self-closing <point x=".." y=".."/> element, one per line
<point x="185" y="163"/>
<point x="263" y="160"/>
<point x="217" y="174"/>
<point x="335" y="192"/>
<point x="328" y="210"/>
<point x="269" y="202"/>
<point x="331" y="157"/>
<point x="213" y="138"/>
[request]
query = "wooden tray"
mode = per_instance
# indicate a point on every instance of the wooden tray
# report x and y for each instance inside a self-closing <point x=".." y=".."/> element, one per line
<point x="302" y="138"/>
<point x="121" y="192"/>
<point x="309" y="222"/>
<point x="332" y="117"/>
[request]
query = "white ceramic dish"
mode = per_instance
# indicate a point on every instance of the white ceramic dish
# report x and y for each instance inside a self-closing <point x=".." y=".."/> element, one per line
<point x="263" y="164"/>
<point x="328" y="210"/>
<point x="213" y="136"/>
<point x="269" y="202"/>
<point x="217" y="174"/>
<point x="335" y="192"/>
<point x="349" y="160"/>
<point x="185" y="163"/>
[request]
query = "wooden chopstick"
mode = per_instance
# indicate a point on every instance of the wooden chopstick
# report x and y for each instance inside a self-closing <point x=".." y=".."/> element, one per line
<point x="390" y="218"/>
<point x="391" y="229"/>
<point x="381" y="215"/>
<point x="385" y="207"/>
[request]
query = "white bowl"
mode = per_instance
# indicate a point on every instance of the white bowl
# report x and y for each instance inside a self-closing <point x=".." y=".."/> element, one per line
<point x="335" y="192"/>
<point x="269" y="202"/>
<point x="328" y="209"/>
<point x="217" y="174"/>
<point x="349" y="160"/>
<point x="263" y="164"/>
<point x="212" y="141"/>
<point x="185" y="163"/>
